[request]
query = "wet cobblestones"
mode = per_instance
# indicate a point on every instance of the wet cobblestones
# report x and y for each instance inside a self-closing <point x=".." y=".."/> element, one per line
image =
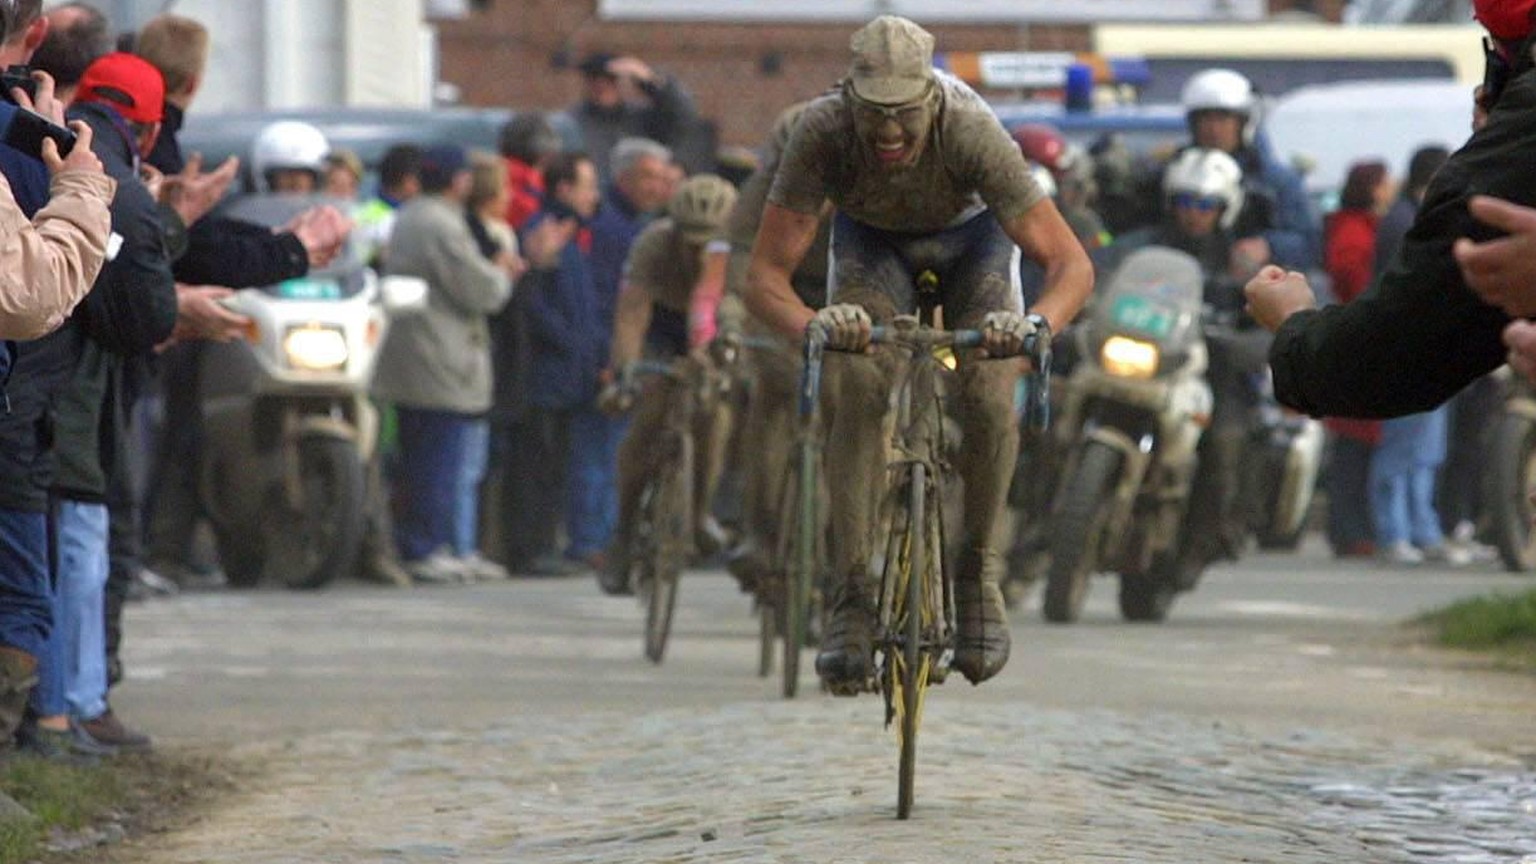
<point x="815" y="781"/>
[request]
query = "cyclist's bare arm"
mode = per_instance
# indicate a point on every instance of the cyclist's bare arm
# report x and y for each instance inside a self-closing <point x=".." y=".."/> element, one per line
<point x="1046" y="239"/>
<point x="704" y="300"/>
<point x="782" y="241"/>
<point x="630" y="321"/>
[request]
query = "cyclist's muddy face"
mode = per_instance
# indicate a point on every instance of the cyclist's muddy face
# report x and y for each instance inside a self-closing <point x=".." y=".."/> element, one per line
<point x="895" y="134"/>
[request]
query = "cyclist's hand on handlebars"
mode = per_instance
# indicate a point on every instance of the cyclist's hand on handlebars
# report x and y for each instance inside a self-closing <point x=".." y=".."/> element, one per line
<point x="614" y="398"/>
<point x="848" y="326"/>
<point x="1003" y="333"/>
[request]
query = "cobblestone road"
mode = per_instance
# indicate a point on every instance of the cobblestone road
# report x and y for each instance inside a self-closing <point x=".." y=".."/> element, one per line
<point x="814" y="782"/>
<point x="515" y="723"/>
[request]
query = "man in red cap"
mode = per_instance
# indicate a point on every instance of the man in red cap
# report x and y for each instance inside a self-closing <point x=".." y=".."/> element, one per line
<point x="1428" y="327"/>
<point x="130" y="309"/>
<point x="133" y="89"/>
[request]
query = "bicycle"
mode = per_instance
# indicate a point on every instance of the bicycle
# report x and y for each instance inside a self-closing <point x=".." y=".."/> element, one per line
<point x="915" y="629"/>
<point x="789" y="598"/>
<point x="663" y="540"/>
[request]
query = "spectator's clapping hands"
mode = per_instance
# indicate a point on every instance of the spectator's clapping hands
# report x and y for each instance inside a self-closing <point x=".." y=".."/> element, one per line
<point x="1276" y="294"/>
<point x="1502" y="271"/>
<point x="323" y="230"/>
<point x="193" y="192"/>
<point x="201" y="315"/>
<point x="511" y="264"/>
<point x="546" y="240"/>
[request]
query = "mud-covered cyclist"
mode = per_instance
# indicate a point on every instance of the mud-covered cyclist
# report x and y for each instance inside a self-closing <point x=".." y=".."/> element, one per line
<point x="923" y="177"/>
<point x="666" y="310"/>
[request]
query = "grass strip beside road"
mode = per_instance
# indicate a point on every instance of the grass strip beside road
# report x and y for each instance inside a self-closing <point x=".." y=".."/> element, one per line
<point x="83" y="814"/>
<point x="1501" y="623"/>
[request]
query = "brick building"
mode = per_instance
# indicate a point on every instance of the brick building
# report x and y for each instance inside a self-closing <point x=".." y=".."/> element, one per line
<point x="517" y="53"/>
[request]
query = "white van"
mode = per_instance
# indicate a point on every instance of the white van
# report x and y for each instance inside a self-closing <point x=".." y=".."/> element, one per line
<point x="1327" y="127"/>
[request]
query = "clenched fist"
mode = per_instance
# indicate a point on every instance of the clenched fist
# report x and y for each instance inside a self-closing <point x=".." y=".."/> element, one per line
<point x="1275" y="295"/>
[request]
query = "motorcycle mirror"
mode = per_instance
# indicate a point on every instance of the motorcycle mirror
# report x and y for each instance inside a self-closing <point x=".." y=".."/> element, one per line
<point x="403" y="293"/>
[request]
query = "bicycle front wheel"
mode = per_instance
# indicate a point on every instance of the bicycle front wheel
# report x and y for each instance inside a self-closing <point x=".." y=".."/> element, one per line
<point x="672" y="521"/>
<point x="914" y="617"/>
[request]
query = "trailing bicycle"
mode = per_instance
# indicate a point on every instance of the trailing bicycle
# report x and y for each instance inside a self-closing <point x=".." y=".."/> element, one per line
<point x="787" y="588"/>
<point x="663" y="540"/>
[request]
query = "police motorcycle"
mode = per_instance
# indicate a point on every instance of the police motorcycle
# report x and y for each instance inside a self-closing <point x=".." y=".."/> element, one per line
<point x="289" y="429"/>
<point x="1281" y="461"/>
<point x="1137" y="403"/>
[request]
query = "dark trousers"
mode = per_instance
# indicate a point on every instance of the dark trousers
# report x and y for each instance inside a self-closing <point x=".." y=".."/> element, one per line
<point x="1349" y="503"/>
<point x="527" y="472"/>
<point x="173" y="504"/>
<point x="125" y="492"/>
<point x="1467" y="444"/>
<point x="430" y="454"/>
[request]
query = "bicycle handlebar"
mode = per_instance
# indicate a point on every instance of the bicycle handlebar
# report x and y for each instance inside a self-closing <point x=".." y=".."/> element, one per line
<point x="1037" y="386"/>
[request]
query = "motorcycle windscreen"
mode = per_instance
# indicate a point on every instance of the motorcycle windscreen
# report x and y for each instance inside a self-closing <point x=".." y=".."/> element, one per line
<point x="1156" y="295"/>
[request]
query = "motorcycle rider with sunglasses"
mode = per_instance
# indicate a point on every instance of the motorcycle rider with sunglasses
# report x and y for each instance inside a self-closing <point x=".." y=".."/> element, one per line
<point x="1203" y="194"/>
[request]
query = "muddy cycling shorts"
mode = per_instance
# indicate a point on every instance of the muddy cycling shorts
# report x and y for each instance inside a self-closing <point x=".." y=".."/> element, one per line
<point x="976" y="261"/>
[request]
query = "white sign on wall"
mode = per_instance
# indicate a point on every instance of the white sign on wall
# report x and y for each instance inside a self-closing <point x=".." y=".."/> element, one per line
<point x="1077" y="11"/>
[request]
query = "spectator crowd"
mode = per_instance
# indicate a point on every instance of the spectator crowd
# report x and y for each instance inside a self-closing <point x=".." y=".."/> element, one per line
<point x="499" y="458"/>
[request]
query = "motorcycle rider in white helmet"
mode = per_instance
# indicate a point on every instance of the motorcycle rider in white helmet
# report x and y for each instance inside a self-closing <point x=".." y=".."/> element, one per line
<point x="288" y="158"/>
<point x="1277" y="223"/>
<point x="1204" y="196"/>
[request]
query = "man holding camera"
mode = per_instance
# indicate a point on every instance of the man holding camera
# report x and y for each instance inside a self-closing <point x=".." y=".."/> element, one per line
<point x="48" y="292"/>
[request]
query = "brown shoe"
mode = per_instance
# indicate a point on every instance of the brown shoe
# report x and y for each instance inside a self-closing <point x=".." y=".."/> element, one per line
<point x="110" y="731"/>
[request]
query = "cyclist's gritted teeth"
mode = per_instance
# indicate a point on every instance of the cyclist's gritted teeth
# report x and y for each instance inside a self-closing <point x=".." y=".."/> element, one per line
<point x="896" y="141"/>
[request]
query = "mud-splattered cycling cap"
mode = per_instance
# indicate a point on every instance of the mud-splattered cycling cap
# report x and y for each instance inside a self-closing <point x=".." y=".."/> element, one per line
<point x="892" y="61"/>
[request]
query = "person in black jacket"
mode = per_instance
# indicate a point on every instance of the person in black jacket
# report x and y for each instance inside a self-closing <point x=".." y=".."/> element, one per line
<point x="224" y="252"/>
<point x="130" y="309"/>
<point x="1421" y="333"/>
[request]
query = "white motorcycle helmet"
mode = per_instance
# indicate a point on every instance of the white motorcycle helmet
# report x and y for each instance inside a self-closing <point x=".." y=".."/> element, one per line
<point x="1206" y="173"/>
<point x="288" y="145"/>
<point x="1222" y="90"/>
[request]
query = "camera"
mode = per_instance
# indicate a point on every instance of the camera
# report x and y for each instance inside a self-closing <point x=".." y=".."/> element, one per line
<point x="17" y="76"/>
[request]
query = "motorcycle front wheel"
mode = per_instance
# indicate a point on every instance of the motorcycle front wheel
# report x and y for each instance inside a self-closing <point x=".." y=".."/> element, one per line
<point x="1507" y="488"/>
<point x="1076" y="532"/>
<point x="326" y="528"/>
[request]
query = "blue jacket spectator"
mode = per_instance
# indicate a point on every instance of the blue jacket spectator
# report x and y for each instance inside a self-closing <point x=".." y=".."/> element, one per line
<point x="564" y="321"/>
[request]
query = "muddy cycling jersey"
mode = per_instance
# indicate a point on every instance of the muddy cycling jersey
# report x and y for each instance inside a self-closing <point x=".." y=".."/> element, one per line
<point x="968" y="165"/>
<point x="668" y="267"/>
<point x="810" y="277"/>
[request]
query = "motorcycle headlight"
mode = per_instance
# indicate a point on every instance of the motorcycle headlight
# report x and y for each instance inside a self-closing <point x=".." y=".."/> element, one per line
<point x="316" y="348"/>
<point x="1129" y="358"/>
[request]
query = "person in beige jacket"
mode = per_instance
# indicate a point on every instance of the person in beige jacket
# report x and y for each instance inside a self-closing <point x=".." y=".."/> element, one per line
<point x="435" y="366"/>
<point x="50" y="262"/>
